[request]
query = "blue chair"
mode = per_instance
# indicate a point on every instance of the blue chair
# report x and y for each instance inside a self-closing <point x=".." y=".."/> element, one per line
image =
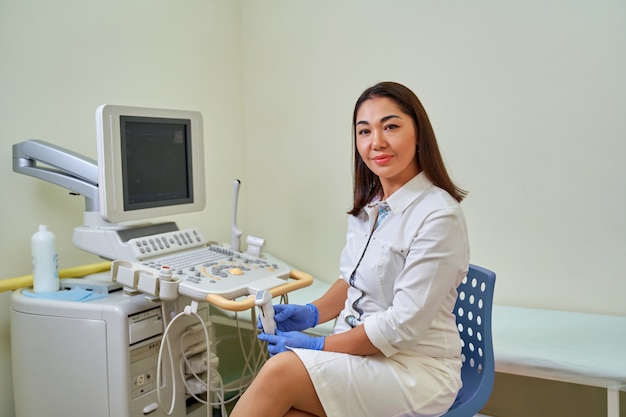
<point x="473" y="317"/>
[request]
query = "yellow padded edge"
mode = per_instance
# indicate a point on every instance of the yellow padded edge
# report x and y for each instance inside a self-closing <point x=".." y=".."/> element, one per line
<point x="11" y="284"/>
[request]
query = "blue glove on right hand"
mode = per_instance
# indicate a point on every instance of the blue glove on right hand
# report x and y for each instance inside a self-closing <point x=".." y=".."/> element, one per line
<point x="294" y="317"/>
<point x="283" y="341"/>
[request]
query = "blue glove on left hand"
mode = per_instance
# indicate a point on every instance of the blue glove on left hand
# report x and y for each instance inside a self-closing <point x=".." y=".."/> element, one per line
<point x="283" y="341"/>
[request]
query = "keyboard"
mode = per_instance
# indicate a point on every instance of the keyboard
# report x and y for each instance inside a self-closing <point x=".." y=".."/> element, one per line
<point x="214" y="269"/>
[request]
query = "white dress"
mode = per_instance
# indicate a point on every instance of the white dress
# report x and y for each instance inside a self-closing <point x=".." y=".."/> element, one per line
<point x="403" y="290"/>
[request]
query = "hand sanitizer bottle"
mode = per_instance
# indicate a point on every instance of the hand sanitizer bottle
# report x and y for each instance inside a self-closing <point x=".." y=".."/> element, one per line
<point x="45" y="261"/>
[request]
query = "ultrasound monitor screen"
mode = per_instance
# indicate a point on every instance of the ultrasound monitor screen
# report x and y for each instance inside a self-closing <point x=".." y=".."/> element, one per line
<point x="156" y="162"/>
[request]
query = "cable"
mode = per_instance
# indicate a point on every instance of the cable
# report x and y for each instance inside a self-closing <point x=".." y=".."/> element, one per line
<point x="210" y="372"/>
<point x="164" y="343"/>
<point x="254" y="356"/>
<point x="188" y="310"/>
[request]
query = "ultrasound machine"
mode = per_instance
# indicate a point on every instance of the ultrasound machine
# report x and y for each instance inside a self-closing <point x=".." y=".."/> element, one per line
<point x="142" y="341"/>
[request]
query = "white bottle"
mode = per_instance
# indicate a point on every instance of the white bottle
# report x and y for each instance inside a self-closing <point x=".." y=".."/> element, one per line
<point x="45" y="261"/>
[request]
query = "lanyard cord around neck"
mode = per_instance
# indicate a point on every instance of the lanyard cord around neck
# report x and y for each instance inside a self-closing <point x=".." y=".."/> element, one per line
<point x="351" y="319"/>
<point x="383" y="211"/>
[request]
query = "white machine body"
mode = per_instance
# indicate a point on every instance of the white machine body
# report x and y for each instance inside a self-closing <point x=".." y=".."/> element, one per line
<point x="96" y="358"/>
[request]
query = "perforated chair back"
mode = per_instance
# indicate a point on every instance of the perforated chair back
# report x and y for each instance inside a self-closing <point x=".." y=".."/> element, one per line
<point x="473" y="316"/>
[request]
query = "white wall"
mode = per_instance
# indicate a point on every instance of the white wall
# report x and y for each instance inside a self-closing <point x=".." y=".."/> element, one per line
<point x="62" y="59"/>
<point x="526" y="99"/>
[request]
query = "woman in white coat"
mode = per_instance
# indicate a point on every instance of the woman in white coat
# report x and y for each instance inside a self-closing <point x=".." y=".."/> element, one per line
<point x="395" y="349"/>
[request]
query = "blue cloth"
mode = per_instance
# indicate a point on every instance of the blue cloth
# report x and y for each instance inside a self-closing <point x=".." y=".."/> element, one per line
<point x="75" y="294"/>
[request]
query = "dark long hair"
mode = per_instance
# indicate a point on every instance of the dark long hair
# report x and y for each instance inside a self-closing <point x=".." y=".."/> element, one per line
<point x="428" y="159"/>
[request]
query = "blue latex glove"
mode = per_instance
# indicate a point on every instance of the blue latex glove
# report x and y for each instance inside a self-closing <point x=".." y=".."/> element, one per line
<point x="283" y="341"/>
<point x="294" y="317"/>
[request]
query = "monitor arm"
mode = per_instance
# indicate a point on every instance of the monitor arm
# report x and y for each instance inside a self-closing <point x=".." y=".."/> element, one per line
<point x="65" y="168"/>
<point x="78" y="174"/>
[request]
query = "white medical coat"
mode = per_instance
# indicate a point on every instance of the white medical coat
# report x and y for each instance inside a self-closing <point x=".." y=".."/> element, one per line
<point x="406" y="283"/>
<point x="410" y="270"/>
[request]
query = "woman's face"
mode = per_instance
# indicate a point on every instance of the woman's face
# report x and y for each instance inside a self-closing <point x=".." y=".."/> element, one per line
<point x="387" y="142"/>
